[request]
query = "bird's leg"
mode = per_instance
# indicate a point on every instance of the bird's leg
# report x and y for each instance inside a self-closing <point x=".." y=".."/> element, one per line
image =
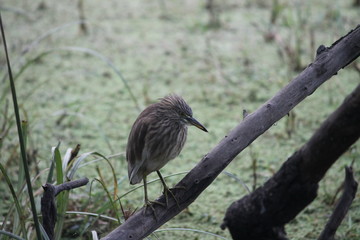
<point x="168" y="190"/>
<point x="149" y="203"/>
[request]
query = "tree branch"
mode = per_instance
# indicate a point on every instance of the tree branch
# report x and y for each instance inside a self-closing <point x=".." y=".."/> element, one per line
<point x="263" y="214"/>
<point x="48" y="206"/>
<point x="70" y="185"/>
<point x="327" y="63"/>
<point x="342" y="207"/>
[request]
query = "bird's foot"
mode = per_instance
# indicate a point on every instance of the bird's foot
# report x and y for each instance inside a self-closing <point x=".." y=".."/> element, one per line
<point x="170" y="190"/>
<point x="149" y="204"/>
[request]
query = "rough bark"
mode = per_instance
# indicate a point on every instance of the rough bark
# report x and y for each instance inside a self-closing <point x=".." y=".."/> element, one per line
<point x="327" y="63"/>
<point x="263" y="214"/>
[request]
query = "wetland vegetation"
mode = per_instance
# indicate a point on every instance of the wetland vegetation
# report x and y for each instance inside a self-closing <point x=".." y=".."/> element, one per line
<point x="85" y="69"/>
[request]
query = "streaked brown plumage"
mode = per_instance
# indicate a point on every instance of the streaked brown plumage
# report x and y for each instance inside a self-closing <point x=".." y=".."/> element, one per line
<point x="157" y="136"/>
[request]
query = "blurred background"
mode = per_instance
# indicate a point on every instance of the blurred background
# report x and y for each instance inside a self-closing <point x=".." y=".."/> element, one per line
<point x="84" y="70"/>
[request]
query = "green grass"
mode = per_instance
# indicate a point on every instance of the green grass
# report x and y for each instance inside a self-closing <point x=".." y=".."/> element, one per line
<point x="88" y="89"/>
<point x="24" y="173"/>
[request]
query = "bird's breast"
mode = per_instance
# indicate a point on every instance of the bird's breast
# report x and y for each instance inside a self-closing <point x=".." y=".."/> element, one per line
<point x="166" y="145"/>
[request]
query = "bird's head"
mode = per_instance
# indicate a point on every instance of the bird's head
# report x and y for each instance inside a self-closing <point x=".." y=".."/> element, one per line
<point x="175" y="108"/>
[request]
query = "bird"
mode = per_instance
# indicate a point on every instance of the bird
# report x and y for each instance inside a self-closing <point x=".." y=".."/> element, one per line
<point x="157" y="136"/>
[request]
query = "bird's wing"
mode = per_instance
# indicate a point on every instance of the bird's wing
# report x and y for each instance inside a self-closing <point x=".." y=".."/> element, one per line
<point x="135" y="148"/>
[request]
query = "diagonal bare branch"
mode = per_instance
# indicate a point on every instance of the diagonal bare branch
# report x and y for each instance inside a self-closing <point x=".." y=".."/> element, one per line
<point x="327" y="63"/>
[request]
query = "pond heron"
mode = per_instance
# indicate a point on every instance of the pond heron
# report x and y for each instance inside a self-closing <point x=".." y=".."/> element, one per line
<point x="157" y="136"/>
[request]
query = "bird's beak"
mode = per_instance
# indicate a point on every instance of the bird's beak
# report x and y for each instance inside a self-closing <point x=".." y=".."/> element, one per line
<point x="194" y="122"/>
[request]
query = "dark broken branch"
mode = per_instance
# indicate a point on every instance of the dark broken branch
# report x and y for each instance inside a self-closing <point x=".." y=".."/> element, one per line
<point x="263" y="213"/>
<point x="342" y="207"/>
<point x="326" y="64"/>
<point x="70" y="185"/>
<point x="48" y="206"/>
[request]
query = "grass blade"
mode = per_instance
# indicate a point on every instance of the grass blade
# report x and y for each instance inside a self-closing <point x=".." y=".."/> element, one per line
<point x="16" y="200"/>
<point x="37" y="41"/>
<point x="22" y="69"/>
<point x="94" y="235"/>
<point x="62" y="198"/>
<point x="66" y="159"/>
<point x="10" y="235"/>
<point x="151" y="181"/>
<point x="46" y="237"/>
<point x="82" y="157"/>
<point x="20" y="135"/>
<point x="71" y="172"/>
<point x="21" y="178"/>
<point x="91" y="121"/>
<point x="109" y="197"/>
<point x="62" y="202"/>
<point x="110" y="64"/>
<point x="93" y="215"/>
<point x="101" y="159"/>
<point x="106" y="205"/>
<point x="238" y="180"/>
<point x="58" y="167"/>
<point x="95" y="54"/>
<point x="48" y="34"/>
<point x="52" y="166"/>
